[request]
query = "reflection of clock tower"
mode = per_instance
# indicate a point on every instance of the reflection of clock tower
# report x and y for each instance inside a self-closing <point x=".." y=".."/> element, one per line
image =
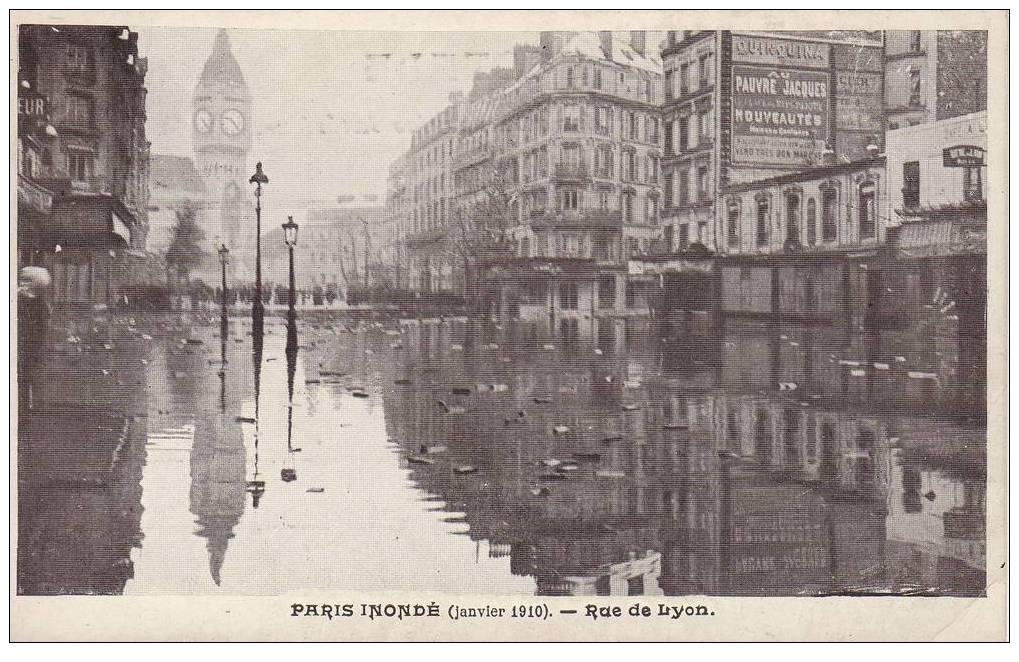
<point x="221" y="129"/>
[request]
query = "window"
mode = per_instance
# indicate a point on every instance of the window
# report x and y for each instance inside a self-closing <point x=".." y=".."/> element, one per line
<point x="668" y="84"/>
<point x="606" y="292"/>
<point x="668" y="137"/>
<point x="694" y="139"/>
<point x="667" y="189"/>
<point x="631" y="295"/>
<point x="633" y="126"/>
<point x="911" y="184"/>
<point x="914" y="41"/>
<point x="629" y="166"/>
<point x="707" y="125"/>
<point x="668" y="238"/>
<point x="79" y="165"/>
<point x="763" y="212"/>
<point x="571" y="199"/>
<point x="684" y="237"/>
<point x="603" y="200"/>
<point x="597" y="79"/>
<point x="868" y="210"/>
<point x="79" y="110"/>
<point x="684" y="133"/>
<point x="684" y="77"/>
<point x="684" y="186"/>
<point x="972" y="184"/>
<point x="603" y="162"/>
<point x="732" y="219"/>
<point x="78" y="59"/>
<point x="569" y="76"/>
<point x="703" y="183"/>
<point x="652" y="164"/>
<point x="703" y="69"/>
<point x="811" y="221"/>
<point x="652" y="210"/>
<point x="628" y="207"/>
<point x="829" y="214"/>
<point x="914" y="86"/>
<point x="792" y="216"/>
<point x="568" y="296"/>
<point x="571" y="118"/>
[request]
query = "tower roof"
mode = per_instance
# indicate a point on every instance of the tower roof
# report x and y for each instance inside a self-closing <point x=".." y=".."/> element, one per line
<point x="221" y="72"/>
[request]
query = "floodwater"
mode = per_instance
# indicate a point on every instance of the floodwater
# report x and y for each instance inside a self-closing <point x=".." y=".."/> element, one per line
<point x="687" y="457"/>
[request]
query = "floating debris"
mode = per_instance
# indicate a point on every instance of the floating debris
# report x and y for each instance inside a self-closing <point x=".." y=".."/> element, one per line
<point x="543" y="401"/>
<point x="588" y="456"/>
<point x="551" y="462"/>
<point x="312" y="381"/>
<point x="916" y="374"/>
<point x="631" y="383"/>
<point x="900" y="359"/>
<point x="401" y="382"/>
<point x="418" y="459"/>
<point x="560" y="429"/>
<point x="552" y="476"/>
<point x="598" y="352"/>
<point x="631" y="407"/>
<point x="540" y="491"/>
<point x="465" y="469"/>
<point x="549" y="347"/>
<point x="456" y="347"/>
<point x="359" y="394"/>
<point x="610" y="474"/>
<point x="788" y="386"/>
<point x="499" y="388"/>
<point x="195" y="341"/>
<point x="331" y="373"/>
<point x="460" y="390"/>
<point x="490" y="346"/>
<point x="568" y="467"/>
<point x="437" y="448"/>
<point x="882" y="366"/>
<point x="858" y="372"/>
<point x="675" y="426"/>
<point x="848" y="362"/>
<point x="315" y="490"/>
<point x="610" y="439"/>
<point x="239" y="419"/>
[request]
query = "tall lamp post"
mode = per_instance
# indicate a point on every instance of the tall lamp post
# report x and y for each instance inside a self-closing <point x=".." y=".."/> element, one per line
<point x="257" y="308"/>
<point x="290" y="238"/>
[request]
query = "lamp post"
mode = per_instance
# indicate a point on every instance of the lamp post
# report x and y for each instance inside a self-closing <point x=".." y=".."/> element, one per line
<point x="224" y="253"/>
<point x="290" y="238"/>
<point x="257" y="308"/>
<point x="224" y="256"/>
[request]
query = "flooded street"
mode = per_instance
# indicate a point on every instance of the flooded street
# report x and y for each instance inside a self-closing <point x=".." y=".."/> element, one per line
<point x="688" y="457"/>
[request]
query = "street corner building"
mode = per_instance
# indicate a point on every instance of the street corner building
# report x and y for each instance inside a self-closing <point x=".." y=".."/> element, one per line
<point x="83" y="162"/>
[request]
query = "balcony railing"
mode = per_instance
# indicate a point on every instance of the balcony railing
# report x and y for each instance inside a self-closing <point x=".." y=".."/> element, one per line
<point x="572" y="171"/>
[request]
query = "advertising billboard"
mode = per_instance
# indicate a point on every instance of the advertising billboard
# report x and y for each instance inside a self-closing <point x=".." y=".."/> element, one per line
<point x="779" y="116"/>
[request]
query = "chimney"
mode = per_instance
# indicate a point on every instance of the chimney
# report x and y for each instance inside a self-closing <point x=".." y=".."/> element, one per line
<point x="638" y="40"/>
<point x="605" y="39"/>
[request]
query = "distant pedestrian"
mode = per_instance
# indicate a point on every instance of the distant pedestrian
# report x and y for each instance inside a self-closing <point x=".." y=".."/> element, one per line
<point x="33" y="328"/>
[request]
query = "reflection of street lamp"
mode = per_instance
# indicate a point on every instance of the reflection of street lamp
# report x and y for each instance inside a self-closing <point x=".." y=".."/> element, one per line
<point x="257" y="308"/>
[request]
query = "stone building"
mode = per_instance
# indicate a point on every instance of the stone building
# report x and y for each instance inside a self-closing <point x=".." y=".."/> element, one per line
<point x="576" y="146"/>
<point x="83" y="160"/>
<point x="173" y="182"/>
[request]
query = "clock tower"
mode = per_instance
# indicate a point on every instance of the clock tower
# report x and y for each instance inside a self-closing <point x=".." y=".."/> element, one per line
<point x="221" y="133"/>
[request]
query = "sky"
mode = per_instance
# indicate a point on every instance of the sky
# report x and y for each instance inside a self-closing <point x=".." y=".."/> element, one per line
<point x="332" y="109"/>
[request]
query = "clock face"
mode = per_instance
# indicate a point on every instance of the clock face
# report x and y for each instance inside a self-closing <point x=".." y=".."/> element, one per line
<point x="203" y="121"/>
<point x="232" y="122"/>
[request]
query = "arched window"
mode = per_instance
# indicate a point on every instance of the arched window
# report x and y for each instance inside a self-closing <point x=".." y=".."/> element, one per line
<point x="829" y="213"/>
<point x="792" y="214"/>
<point x="732" y="222"/>
<point x="867" y="210"/>
<point x="811" y="221"/>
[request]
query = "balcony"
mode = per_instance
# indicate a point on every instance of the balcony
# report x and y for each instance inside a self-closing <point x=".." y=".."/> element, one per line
<point x="597" y="218"/>
<point x="574" y="172"/>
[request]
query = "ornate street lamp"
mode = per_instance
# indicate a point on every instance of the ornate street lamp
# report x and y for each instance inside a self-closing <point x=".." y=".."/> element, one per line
<point x="257" y="308"/>
<point x="290" y="239"/>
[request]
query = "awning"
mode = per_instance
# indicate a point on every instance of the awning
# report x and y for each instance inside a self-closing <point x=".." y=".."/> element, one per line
<point x="92" y="220"/>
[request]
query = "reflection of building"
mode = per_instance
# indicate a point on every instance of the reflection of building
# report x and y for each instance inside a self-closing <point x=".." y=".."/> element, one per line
<point x="681" y="486"/>
<point x="83" y="160"/>
<point x="221" y="129"/>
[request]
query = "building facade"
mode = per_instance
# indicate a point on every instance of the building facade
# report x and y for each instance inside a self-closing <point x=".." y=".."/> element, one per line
<point x="83" y="160"/>
<point x="577" y="148"/>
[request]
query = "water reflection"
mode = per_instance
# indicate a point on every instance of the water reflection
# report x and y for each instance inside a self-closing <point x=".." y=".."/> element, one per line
<point x="686" y="457"/>
<point x="777" y="467"/>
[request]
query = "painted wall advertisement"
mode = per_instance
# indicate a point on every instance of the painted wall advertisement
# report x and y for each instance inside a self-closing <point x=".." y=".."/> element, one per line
<point x="779" y="116"/>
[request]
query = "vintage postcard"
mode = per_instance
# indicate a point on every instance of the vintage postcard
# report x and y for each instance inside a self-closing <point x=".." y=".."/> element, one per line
<point x="508" y="326"/>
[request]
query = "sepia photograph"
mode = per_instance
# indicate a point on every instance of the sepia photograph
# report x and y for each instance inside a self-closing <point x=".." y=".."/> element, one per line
<point x="534" y="325"/>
